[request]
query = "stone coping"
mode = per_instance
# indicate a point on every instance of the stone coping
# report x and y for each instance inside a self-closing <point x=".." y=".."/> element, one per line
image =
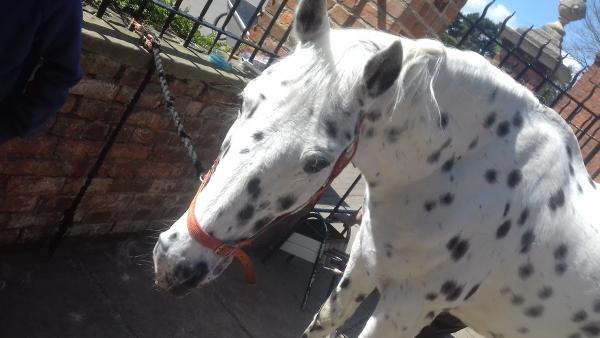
<point x="110" y="37"/>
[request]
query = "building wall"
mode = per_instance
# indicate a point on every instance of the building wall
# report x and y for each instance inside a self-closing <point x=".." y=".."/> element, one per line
<point x="147" y="179"/>
<point x="584" y="125"/>
<point x="411" y="18"/>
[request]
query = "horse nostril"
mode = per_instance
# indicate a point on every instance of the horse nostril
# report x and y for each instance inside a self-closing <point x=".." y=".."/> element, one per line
<point x="162" y="245"/>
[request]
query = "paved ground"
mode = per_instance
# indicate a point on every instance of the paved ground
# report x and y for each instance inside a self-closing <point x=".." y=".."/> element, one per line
<point x="105" y="289"/>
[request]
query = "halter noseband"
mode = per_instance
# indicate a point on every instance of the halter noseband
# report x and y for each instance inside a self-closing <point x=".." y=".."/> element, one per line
<point x="234" y="249"/>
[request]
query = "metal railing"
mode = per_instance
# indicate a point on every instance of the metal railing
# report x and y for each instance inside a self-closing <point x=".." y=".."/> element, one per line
<point x="173" y="7"/>
<point x="550" y="91"/>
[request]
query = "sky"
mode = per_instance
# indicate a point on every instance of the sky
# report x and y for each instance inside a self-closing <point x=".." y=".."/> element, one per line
<point x="528" y="13"/>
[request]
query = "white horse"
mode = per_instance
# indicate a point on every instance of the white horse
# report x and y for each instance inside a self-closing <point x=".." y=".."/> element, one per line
<point x="478" y="202"/>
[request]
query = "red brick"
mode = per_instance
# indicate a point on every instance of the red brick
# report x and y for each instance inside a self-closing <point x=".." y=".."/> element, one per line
<point x="131" y="151"/>
<point x="173" y="185"/>
<point x="158" y="169"/>
<point x="54" y="203"/>
<point x="104" y="202"/>
<point x="440" y="4"/>
<point x="98" y="110"/>
<point x="100" y="185"/>
<point x="134" y="185"/>
<point x="34" y="185"/>
<point x="99" y="66"/>
<point x="143" y="136"/>
<point x="95" y="216"/>
<point x="451" y="13"/>
<point x="68" y="149"/>
<point x="264" y="19"/>
<point x="120" y="170"/>
<point x="149" y="119"/>
<point x="286" y="18"/>
<point x="41" y="147"/>
<point x="212" y="95"/>
<point x="190" y="88"/>
<point x="95" y="89"/>
<point x="150" y="99"/>
<point x="132" y="77"/>
<point x="78" y="167"/>
<point x="32" y="167"/>
<point x="395" y="8"/>
<point x="36" y="234"/>
<point x="194" y="108"/>
<point x="339" y="15"/>
<point x="374" y="17"/>
<point x="292" y="4"/>
<point x="47" y="219"/>
<point x="170" y="154"/>
<point x="125" y="94"/>
<point x="19" y="203"/>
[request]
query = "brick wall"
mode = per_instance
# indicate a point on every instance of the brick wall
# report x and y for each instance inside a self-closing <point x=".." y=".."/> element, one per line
<point x="412" y="18"/>
<point x="145" y="181"/>
<point x="584" y="125"/>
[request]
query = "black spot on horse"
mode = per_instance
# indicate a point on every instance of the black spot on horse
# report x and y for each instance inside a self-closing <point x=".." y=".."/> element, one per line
<point x="460" y="250"/>
<point x="556" y="200"/>
<point x="571" y="170"/>
<point x="253" y="187"/>
<point x="347" y="135"/>
<point x="447" y="166"/>
<point x="526" y="270"/>
<point x="473" y="143"/>
<point x="330" y="129"/>
<point x="517" y="120"/>
<point x="527" y="240"/>
<point x="451" y="290"/>
<point x="370" y="132"/>
<point x="569" y="152"/>
<point x="560" y="268"/>
<point x="591" y="329"/>
<point x="314" y="163"/>
<point x="514" y="178"/>
<point x="472" y="291"/>
<point x="392" y="135"/>
<point x="506" y="209"/>
<point x="430" y="315"/>
<point x="545" y="293"/>
<point x="493" y="95"/>
<point x="360" y="298"/>
<point x="503" y="129"/>
<point x="489" y="120"/>
<point x="429" y="205"/>
<point x="579" y="316"/>
<point x="345" y="283"/>
<point x="431" y="296"/>
<point x="596" y="306"/>
<point x="285" y="202"/>
<point x="244" y="151"/>
<point x="503" y="229"/>
<point x="561" y="251"/>
<point x="258" y="136"/>
<point x="447" y="198"/>
<point x="535" y="311"/>
<point x="374" y="116"/>
<point x="575" y="335"/>
<point x="517" y="300"/>
<point x="246" y="213"/>
<point x="444" y="118"/>
<point x="523" y="330"/>
<point x="361" y="102"/>
<point x="452" y="242"/>
<point x="523" y="217"/>
<point x="491" y="176"/>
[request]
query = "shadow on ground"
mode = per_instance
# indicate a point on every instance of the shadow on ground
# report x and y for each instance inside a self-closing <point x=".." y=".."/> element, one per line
<point x="105" y="289"/>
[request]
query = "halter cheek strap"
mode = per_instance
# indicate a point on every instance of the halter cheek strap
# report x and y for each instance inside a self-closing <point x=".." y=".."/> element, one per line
<point x="221" y="248"/>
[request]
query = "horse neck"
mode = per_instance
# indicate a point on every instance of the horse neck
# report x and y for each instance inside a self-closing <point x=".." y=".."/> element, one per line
<point x="424" y="134"/>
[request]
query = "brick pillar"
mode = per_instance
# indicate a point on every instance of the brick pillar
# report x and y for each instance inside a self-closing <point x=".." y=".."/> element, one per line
<point x="411" y="18"/>
<point x="582" y="120"/>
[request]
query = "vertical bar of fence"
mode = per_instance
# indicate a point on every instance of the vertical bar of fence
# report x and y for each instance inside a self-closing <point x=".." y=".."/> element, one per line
<point x="493" y="39"/>
<point x="280" y="44"/>
<point x="247" y="28"/>
<point x="529" y="65"/>
<point x="511" y="51"/>
<point x="269" y="27"/>
<point x="225" y="23"/>
<point x="140" y="12"/>
<point x="196" y="25"/>
<point x="474" y="24"/>
<point x="102" y="8"/>
<point x="170" y="18"/>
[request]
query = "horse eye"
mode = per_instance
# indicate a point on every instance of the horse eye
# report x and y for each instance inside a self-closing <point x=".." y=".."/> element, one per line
<point x="314" y="163"/>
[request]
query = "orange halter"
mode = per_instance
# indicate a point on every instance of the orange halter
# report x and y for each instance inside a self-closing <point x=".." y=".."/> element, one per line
<point x="221" y="248"/>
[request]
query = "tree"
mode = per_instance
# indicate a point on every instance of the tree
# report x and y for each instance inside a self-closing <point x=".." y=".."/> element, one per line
<point x="583" y="42"/>
<point x="477" y="39"/>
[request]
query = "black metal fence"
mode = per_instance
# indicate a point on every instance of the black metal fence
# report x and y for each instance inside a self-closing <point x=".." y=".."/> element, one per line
<point x="186" y="26"/>
<point x="479" y="34"/>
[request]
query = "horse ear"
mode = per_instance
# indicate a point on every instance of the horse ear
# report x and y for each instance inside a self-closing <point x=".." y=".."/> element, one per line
<point x="383" y="69"/>
<point x="311" y="22"/>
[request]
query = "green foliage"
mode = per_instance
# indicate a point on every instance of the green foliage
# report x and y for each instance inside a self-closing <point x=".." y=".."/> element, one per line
<point x="180" y="26"/>
<point x="477" y="40"/>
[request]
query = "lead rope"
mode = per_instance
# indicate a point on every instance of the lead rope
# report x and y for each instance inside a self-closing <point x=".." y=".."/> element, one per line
<point x="151" y="43"/>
